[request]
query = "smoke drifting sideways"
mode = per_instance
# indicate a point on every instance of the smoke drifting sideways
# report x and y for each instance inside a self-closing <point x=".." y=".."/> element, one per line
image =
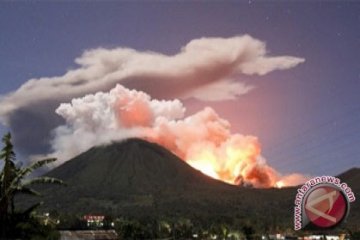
<point x="208" y="69"/>
<point x="203" y="140"/>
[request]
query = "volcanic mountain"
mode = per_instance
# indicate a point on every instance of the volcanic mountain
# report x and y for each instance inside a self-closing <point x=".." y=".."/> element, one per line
<point x="137" y="178"/>
<point x="133" y="176"/>
<point x="133" y="167"/>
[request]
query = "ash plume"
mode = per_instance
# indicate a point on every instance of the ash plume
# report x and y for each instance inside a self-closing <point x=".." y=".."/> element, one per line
<point x="204" y="139"/>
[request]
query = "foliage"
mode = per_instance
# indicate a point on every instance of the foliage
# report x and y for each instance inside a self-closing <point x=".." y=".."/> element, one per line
<point x="13" y="180"/>
<point x="71" y="222"/>
<point x="180" y="228"/>
<point x="31" y="228"/>
<point x="131" y="229"/>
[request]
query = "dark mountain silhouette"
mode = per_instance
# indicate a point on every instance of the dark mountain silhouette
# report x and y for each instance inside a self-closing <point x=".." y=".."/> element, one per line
<point x="133" y="177"/>
<point x="132" y="166"/>
<point x="352" y="178"/>
<point x="137" y="178"/>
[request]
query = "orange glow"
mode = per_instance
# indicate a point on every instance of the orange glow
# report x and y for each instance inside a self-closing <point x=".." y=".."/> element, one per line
<point x="236" y="161"/>
<point x="204" y="167"/>
<point x="136" y="112"/>
<point x="279" y="184"/>
<point x="205" y="142"/>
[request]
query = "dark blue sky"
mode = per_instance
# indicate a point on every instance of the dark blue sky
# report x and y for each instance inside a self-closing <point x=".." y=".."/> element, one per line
<point x="307" y="118"/>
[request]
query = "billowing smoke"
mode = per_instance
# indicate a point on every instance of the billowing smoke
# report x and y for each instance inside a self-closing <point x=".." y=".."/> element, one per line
<point x="207" y="69"/>
<point x="203" y="140"/>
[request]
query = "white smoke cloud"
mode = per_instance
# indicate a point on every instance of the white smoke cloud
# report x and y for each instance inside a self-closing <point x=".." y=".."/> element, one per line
<point x="203" y="140"/>
<point x="105" y="117"/>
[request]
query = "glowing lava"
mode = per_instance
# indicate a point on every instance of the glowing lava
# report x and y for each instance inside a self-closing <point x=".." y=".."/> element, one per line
<point x="236" y="160"/>
<point x="279" y="184"/>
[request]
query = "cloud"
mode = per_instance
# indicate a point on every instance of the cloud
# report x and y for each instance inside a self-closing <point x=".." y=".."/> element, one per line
<point x="218" y="91"/>
<point x="207" y="69"/>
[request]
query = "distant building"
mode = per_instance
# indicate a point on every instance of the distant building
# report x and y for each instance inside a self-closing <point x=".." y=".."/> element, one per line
<point x="89" y="235"/>
<point x="94" y="220"/>
<point x="322" y="237"/>
<point x="308" y="237"/>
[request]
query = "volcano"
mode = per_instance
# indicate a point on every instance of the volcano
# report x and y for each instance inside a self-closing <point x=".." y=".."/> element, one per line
<point x="131" y="174"/>
<point x="134" y="166"/>
<point x="137" y="178"/>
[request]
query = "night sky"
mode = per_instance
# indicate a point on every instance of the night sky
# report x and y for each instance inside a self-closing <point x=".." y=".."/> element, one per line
<point x="307" y="118"/>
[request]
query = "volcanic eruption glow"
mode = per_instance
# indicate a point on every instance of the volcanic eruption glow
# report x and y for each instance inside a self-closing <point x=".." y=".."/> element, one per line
<point x="279" y="184"/>
<point x="203" y="140"/>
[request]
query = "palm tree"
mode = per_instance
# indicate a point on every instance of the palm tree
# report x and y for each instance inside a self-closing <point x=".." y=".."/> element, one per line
<point x="6" y="176"/>
<point x="13" y="181"/>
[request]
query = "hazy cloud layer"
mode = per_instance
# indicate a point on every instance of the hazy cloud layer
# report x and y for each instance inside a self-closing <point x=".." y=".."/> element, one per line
<point x="206" y="69"/>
